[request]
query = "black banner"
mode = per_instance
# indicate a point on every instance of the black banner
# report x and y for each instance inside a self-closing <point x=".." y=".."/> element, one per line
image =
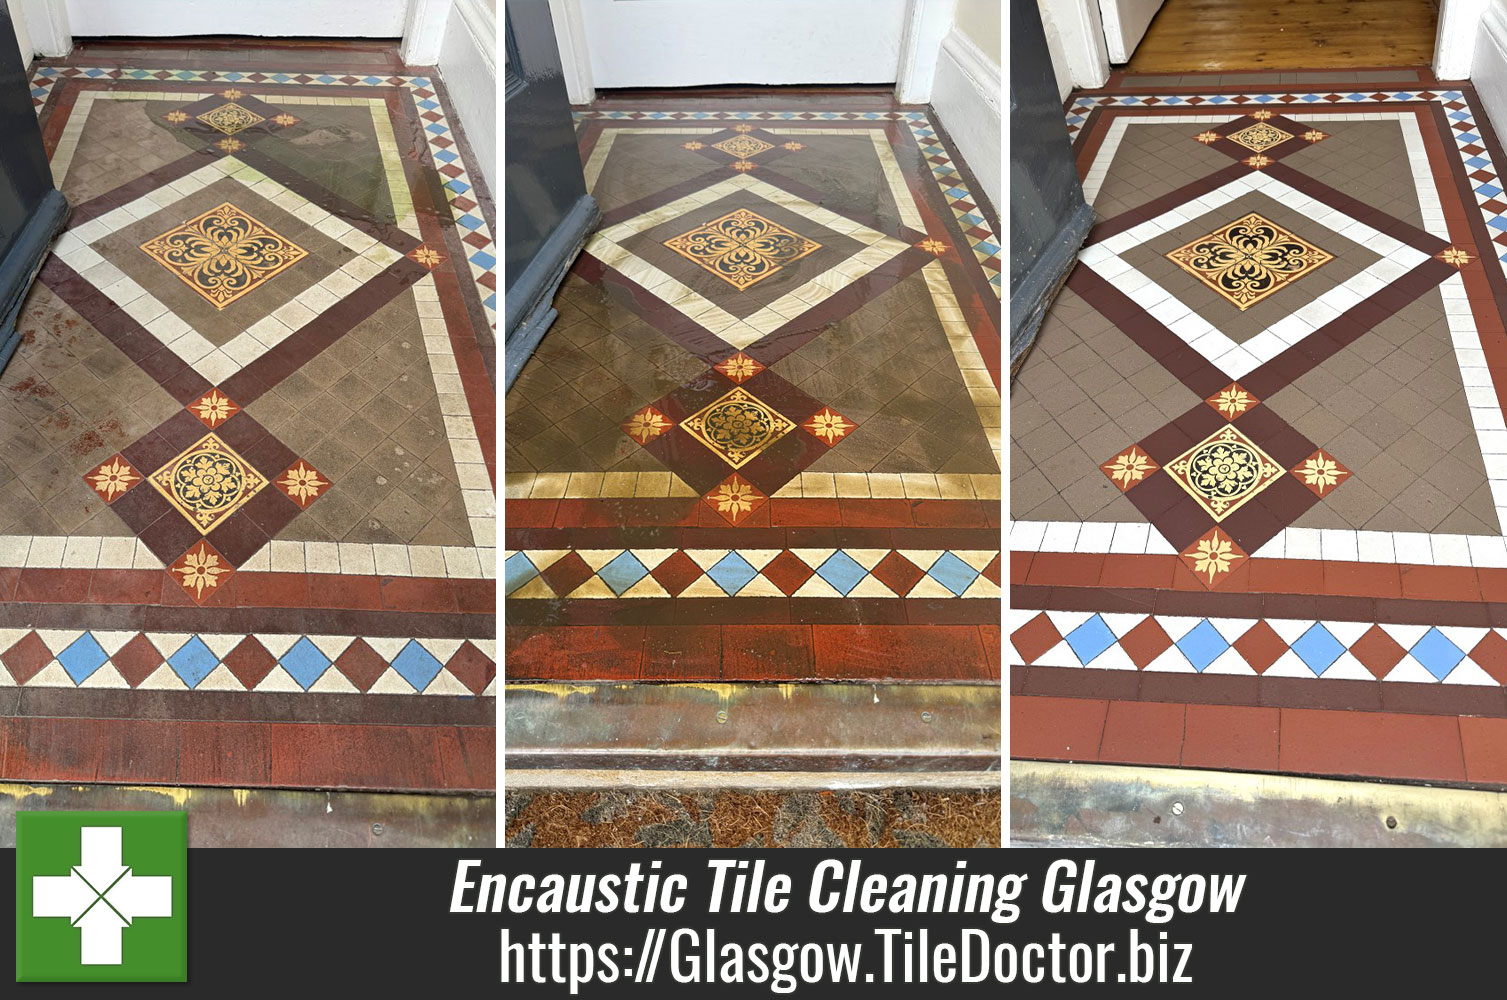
<point x="800" y="922"/>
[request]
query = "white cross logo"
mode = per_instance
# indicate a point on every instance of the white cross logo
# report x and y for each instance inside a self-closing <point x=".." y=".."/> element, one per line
<point x="101" y="896"/>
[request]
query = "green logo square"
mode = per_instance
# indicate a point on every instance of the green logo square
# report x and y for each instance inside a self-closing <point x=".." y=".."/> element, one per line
<point x="101" y="897"/>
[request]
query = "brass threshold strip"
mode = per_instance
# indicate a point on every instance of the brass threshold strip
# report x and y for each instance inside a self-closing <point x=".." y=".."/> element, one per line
<point x="788" y="728"/>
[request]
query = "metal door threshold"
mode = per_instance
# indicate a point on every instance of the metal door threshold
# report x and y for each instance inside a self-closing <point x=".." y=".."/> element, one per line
<point x="744" y="728"/>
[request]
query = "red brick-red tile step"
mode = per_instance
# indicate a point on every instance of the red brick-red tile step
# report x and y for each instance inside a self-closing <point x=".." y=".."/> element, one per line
<point x="259" y="590"/>
<point x="748" y="652"/>
<point x="249" y="754"/>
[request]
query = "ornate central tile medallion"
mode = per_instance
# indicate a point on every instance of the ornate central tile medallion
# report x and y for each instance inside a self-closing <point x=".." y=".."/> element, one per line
<point x="223" y="254"/>
<point x="743" y="146"/>
<point x="742" y="248"/>
<point x="1224" y="471"/>
<point x="208" y="482"/>
<point x="738" y="427"/>
<point x="1260" y="137"/>
<point x="1249" y="259"/>
<point x="230" y="118"/>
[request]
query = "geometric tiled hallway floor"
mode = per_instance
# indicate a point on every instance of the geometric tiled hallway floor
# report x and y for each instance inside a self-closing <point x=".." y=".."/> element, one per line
<point x="759" y="443"/>
<point x="1259" y="479"/>
<point x="246" y="445"/>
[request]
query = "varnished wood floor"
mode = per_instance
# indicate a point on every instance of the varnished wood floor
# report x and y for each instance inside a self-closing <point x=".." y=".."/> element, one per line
<point x="1216" y="35"/>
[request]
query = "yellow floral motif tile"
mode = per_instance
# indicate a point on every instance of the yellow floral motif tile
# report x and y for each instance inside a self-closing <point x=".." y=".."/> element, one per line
<point x="1212" y="557"/>
<point x="1260" y="137"/>
<point x="743" y="146"/>
<point x="1129" y="468"/>
<point x="738" y="427"/>
<point x="1233" y="400"/>
<point x="1224" y="471"/>
<point x="223" y="254"/>
<point x="230" y="118"/>
<point x="742" y="247"/>
<point x="208" y="482"/>
<point x="1248" y="259"/>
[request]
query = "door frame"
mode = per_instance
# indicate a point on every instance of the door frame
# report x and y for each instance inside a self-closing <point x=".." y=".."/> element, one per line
<point x="925" y="26"/>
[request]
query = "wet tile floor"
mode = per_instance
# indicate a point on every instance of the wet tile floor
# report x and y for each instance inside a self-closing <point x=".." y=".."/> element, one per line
<point x="1258" y="490"/>
<point x="760" y="440"/>
<point x="246" y="446"/>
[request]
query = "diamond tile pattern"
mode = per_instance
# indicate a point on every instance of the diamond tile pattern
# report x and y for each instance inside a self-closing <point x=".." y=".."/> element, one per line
<point x="1353" y="651"/>
<point x="173" y="661"/>
<point x="638" y="573"/>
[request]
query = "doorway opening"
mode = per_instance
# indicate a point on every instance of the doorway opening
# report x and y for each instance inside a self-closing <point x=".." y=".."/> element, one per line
<point x="1211" y="36"/>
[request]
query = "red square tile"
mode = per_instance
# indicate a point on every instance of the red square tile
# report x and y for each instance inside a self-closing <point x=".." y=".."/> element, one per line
<point x="898" y="573"/>
<point x="677" y="572"/>
<point x="766" y="652"/>
<point x="472" y="667"/>
<point x="1377" y="651"/>
<point x="361" y="664"/>
<point x="1260" y="646"/>
<point x="1372" y="744"/>
<point x="1034" y="638"/>
<point x="567" y="573"/>
<point x="682" y="652"/>
<point x="136" y="660"/>
<point x="572" y="652"/>
<point x="1491" y="654"/>
<point x="1145" y="642"/>
<point x="1231" y="737"/>
<point x="26" y="657"/>
<point x="1485" y="744"/>
<point x="249" y="662"/>
<point x="787" y="572"/>
<point x="1056" y="728"/>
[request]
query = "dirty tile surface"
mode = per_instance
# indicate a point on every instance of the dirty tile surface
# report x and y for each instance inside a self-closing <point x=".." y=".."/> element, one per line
<point x="246" y="456"/>
<point x="760" y="440"/>
<point x="1257" y="447"/>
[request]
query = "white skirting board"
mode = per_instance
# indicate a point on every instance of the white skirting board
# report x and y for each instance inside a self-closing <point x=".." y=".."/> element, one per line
<point x="966" y="96"/>
<point x="468" y="67"/>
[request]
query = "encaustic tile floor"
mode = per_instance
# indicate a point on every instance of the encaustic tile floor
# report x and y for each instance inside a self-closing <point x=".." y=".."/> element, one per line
<point x="246" y="460"/>
<point x="759" y="442"/>
<point x="1260" y="462"/>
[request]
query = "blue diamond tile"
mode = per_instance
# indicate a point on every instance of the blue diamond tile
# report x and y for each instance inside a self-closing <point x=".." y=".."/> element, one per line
<point x="417" y="665"/>
<point x="841" y="572"/>
<point x="82" y="657"/>
<point x="952" y="573"/>
<point x="1202" y="645"/>
<point x="193" y="661"/>
<point x="305" y="663"/>
<point x="517" y="571"/>
<point x="622" y="573"/>
<point x="1318" y="648"/>
<point x="732" y="573"/>
<point x="1438" y="655"/>
<point x="1090" y="639"/>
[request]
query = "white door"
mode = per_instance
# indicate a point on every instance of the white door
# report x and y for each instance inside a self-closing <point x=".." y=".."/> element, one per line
<point x="307" y="18"/>
<point x="690" y="43"/>
<point x="1125" y="24"/>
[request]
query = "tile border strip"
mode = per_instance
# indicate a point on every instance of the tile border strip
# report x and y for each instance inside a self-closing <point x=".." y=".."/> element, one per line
<point x="286" y="663"/>
<point x="1308" y="649"/>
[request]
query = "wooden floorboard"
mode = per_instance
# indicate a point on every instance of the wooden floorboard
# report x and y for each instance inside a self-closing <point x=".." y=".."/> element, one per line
<point x="1190" y="36"/>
